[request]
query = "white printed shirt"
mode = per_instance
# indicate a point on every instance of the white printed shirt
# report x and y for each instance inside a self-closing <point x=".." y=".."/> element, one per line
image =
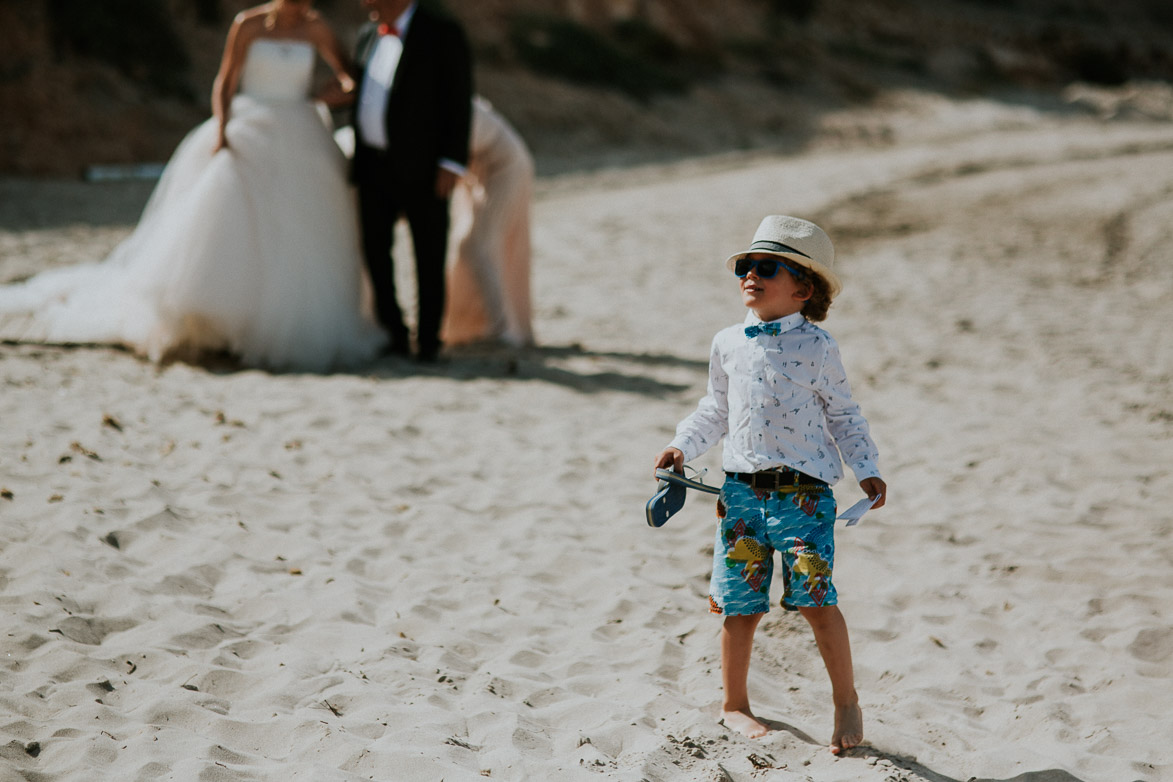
<point x="780" y="401"/>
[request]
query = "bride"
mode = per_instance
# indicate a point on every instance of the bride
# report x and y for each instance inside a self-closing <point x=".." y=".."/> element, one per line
<point x="249" y="241"/>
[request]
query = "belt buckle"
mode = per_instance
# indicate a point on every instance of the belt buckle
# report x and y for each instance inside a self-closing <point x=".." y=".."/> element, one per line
<point x="769" y="480"/>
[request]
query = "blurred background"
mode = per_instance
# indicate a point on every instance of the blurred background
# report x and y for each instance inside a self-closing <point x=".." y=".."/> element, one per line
<point x="591" y="83"/>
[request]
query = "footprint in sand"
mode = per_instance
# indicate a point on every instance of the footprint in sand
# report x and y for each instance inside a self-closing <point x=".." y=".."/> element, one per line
<point x="91" y="630"/>
<point x="1152" y="645"/>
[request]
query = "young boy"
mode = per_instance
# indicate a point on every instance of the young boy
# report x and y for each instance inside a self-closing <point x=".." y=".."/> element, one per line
<point x="779" y="396"/>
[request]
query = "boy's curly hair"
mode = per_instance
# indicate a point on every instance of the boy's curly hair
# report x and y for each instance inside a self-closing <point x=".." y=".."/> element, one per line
<point x="817" y="305"/>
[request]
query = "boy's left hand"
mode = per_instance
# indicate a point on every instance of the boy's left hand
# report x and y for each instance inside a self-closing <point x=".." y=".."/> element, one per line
<point x="873" y="487"/>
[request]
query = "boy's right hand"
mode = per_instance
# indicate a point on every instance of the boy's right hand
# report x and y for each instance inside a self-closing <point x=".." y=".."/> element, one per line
<point x="671" y="457"/>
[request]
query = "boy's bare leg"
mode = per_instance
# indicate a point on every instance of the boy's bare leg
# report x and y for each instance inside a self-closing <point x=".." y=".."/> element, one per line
<point x="736" y="645"/>
<point x="830" y="631"/>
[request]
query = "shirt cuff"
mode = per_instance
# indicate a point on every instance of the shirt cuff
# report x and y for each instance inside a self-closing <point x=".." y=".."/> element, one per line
<point x="866" y="470"/>
<point x="684" y="445"/>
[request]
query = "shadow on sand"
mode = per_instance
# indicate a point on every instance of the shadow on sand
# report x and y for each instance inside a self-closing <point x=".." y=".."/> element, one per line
<point x="572" y="366"/>
<point x="911" y="771"/>
<point x="616" y="370"/>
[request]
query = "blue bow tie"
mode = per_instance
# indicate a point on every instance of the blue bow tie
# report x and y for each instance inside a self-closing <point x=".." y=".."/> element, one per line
<point x="773" y="329"/>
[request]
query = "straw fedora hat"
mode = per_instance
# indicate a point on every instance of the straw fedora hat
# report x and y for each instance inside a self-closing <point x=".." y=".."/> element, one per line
<point x="796" y="240"/>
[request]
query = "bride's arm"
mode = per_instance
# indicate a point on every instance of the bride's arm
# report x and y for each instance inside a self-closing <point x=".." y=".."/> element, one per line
<point x="340" y="92"/>
<point x="228" y="78"/>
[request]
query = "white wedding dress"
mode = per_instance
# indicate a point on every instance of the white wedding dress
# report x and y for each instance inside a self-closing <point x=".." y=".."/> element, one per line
<point x="253" y="250"/>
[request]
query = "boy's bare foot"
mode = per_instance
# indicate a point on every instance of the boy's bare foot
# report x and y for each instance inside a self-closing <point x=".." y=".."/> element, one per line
<point x="745" y="723"/>
<point x="848" y="728"/>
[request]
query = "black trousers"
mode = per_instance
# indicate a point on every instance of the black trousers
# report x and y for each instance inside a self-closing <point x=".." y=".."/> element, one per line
<point x="382" y="201"/>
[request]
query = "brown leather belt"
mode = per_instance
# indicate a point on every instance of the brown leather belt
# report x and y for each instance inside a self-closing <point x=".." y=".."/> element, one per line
<point x="783" y="479"/>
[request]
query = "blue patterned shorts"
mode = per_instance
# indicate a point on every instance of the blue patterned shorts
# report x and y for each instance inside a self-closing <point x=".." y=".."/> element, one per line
<point x="751" y="526"/>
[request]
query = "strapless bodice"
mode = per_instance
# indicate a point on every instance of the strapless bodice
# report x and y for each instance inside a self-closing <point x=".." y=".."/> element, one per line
<point x="278" y="70"/>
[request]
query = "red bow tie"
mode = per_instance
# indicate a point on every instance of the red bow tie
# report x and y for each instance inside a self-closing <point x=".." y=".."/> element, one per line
<point x="386" y="29"/>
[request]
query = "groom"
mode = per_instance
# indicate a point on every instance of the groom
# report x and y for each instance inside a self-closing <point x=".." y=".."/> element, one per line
<point x="412" y="121"/>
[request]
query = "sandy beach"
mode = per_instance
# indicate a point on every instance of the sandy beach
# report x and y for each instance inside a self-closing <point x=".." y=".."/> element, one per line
<point x="444" y="573"/>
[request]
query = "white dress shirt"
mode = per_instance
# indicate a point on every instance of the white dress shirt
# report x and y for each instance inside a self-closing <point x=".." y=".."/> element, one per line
<point x="780" y="401"/>
<point x="376" y="87"/>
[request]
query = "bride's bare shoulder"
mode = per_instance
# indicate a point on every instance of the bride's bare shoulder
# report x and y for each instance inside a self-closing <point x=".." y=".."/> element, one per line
<point x="252" y="17"/>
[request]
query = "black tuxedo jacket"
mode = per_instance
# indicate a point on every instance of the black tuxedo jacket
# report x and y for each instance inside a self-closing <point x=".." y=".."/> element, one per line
<point x="429" y="110"/>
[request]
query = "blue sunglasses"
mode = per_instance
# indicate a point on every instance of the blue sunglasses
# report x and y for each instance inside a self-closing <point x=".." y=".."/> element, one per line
<point x="766" y="268"/>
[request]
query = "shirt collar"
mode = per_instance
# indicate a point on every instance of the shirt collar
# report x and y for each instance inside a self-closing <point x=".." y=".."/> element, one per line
<point x="787" y="323"/>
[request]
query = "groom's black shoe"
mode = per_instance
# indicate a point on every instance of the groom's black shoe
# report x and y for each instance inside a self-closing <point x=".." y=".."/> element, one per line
<point x="398" y="345"/>
<point x="397" y="349"/>
<point x="428" y="353"/>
